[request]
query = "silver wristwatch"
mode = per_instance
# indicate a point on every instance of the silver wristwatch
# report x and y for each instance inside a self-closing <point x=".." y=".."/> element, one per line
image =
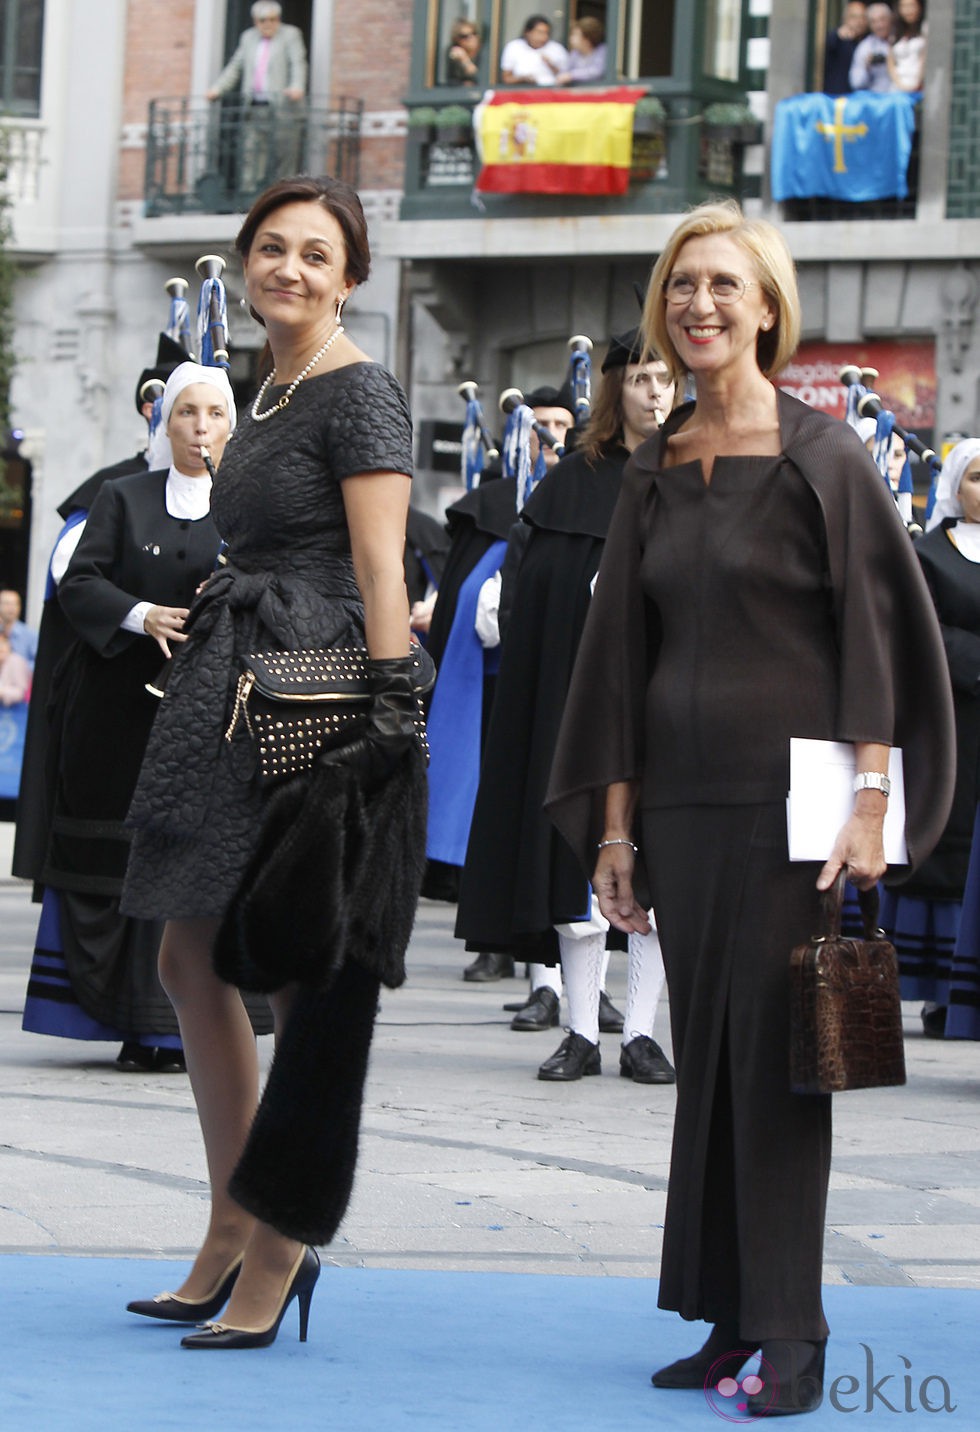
<point x="872" y="781"/>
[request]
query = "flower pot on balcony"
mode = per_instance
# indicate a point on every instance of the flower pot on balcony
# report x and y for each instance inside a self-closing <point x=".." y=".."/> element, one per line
<point x="421" y="125"/>
<point x="734" y="123"/>
<point x="649" y="116"/>
<point x="453" y="125"/>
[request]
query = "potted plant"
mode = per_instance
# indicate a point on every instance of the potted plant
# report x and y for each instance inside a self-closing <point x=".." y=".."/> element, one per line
<point x="453" y="124"/>
<point x="421" y="124"/>
<point x="732" y="121"/>
<point x="649" y="115"/>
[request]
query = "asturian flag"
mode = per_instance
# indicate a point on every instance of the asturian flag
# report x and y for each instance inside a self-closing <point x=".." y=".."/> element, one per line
<point x="549" y="141"/>
<point x="854" y="147"/>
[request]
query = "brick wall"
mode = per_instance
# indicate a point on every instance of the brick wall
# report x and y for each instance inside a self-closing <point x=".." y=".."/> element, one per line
<point x="372" y="46"/>
<point x="159" y="40"/>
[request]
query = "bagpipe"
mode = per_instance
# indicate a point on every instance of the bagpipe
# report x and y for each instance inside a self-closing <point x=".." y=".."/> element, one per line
<point x="580" y="377"/>
<point x="521" y="423"/>
<point x="478" y="445"/>
<point x="864" y="402"/>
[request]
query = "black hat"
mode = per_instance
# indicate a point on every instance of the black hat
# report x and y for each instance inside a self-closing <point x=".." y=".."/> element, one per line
<point x="547" y="397"/>
<point x="624" y="348"/>
<point x="170" y="355"/>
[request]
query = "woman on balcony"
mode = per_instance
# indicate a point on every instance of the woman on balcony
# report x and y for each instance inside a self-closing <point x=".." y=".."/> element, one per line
<point x="907" y="56"/>
<point x="312" y="501"/>
<point x="756" y="585"/>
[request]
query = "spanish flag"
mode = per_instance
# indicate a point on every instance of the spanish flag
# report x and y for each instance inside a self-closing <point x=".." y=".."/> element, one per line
<point x="552" y="141"/>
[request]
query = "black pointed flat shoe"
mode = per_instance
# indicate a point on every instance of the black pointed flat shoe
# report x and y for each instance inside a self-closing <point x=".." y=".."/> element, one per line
<point x="610" y="1019"/>
<point x="300" y="1286"/>
<point x="540" y="1012"/>
<point x="797" y="1369"/>
<point x="723" y="1342"/>
<point x="172" y="1308"/>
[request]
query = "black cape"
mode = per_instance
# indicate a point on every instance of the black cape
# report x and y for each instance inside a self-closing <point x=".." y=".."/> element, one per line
<point x="886" y="626"/>
<point x="955" y="586"/>
<point x="475" y="522"/>
<point x="521" y="878"/>
<point x="55" y="636"/>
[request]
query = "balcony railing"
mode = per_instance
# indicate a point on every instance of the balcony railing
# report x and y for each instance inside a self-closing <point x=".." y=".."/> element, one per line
<point x="214" y="158"/>
<point x="676" y="162"/>
<point x="23" y="141"/>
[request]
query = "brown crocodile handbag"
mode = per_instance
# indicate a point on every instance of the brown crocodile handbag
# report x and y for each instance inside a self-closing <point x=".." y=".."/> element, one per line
<point x="845" y="1008"/>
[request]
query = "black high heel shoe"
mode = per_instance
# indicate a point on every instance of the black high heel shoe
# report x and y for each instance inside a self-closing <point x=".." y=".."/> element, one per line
<point x="797" y="1367"/>
<point x="172" y="1308"/>
<point x="300" y="1286"/>
<point x="723" y="1342"/>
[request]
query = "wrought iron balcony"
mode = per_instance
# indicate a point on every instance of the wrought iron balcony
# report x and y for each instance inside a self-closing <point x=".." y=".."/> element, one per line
<point x="214" y="158"/>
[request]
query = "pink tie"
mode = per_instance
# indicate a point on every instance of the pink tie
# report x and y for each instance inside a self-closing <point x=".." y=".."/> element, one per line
<point x="261" y="68"/>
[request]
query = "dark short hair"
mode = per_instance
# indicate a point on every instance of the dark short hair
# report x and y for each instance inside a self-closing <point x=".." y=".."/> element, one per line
<point x="338" y="198"/>
<point x="592" y="29"/>
<point x="533" y="21"/>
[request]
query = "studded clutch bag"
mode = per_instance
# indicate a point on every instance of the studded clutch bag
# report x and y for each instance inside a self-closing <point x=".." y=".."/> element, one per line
<point x="295" y="704"/>
<point x="845" y="1006"/>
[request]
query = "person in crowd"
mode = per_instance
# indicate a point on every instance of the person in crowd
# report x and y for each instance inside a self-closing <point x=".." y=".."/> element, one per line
<point x="923" y="917"/>
<point x="464" y="642"/>
<point x="839" y="46"/>
<point x="426" y="549"/>
<point x="147" y="544"/>
<point x="22" y="638"/>
<point x="869" y="67"/>
<point x="462" y="57"/>
<point x="907" y="56"/>
<point x="15" y="674"/>
<point x="56" y="635"/>
<point x="521" y="889"/>
<point x="702" y="655"/>
<point x="535" y="58"/>
<point x="586" y="53"/>
<point x="312" y="501"/>
<point x="268" y="72"/>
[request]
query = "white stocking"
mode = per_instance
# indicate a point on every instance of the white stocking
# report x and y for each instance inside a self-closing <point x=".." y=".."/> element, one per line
<point x="545" y="977"/>
<point x="645" y="980"/>
<point x="581" y="964"/>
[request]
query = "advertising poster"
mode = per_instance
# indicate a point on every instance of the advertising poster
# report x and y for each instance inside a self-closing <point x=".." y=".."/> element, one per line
<point x="906" y="382"/>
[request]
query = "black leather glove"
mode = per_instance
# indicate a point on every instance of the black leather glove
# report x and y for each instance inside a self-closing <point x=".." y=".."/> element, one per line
<point x="393" y="723"/>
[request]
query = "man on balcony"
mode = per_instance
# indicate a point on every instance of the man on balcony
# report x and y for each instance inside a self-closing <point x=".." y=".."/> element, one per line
<point x="534" y="59"/>
<point x="268" y="69"/>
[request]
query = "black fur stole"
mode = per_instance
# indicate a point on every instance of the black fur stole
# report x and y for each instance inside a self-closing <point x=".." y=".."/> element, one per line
<point x="336" y="876"/>
<point x="329" y="901"/>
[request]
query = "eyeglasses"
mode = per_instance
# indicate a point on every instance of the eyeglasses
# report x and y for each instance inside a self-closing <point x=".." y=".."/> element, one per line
<point x="723" y="287"/>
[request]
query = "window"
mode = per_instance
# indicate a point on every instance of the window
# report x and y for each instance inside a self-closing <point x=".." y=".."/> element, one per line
<point x="723" y="39"/>
<point x="21" y="33"/>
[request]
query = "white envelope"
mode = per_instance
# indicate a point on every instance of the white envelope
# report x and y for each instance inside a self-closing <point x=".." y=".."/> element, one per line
<point x="821" y="798"/>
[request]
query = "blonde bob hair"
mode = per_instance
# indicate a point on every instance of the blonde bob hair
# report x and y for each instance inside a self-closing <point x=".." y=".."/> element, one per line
<point x="774" y="269"/>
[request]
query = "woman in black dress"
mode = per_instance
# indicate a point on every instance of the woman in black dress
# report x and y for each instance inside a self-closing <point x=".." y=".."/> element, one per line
<point x="757" y="584"/>
<point x="312" y="502"/>
<point x="147" y="544"/>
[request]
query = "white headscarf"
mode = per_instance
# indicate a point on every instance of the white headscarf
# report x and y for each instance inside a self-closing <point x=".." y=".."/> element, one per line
<point x="950" y="477"/>
<point x="187" y="373"/>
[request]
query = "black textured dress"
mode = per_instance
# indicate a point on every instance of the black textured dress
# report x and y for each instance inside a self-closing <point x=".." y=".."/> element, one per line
<point x="289" y="584"/>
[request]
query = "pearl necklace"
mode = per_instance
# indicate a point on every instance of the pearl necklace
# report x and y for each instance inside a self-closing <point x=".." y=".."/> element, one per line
<point x="261" y="417"/>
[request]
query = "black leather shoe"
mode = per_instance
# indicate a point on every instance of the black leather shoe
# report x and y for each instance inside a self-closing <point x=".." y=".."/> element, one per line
<point x="574" y="1057"/>
<point x="643" y="1061"/>
<point x="934" y="1021"/>
<point x="300" y="1286"/>
<point x="170" y="1061"/>
<point x="489" y="967"/>
<point x="172" y="1308"/>
<point x="540" y="1012"/>
<point x="793" y="1378"/>
<point x="723" y="1342"/>
<point x="135" y="1058"/>
<point x="610" y="1019"/>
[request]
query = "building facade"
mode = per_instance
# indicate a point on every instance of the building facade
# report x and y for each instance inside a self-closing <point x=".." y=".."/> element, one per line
<point x="124" y="174"/>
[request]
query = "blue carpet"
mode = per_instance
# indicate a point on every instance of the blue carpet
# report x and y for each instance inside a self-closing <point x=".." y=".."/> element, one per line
<point x="442" y="1352"/>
